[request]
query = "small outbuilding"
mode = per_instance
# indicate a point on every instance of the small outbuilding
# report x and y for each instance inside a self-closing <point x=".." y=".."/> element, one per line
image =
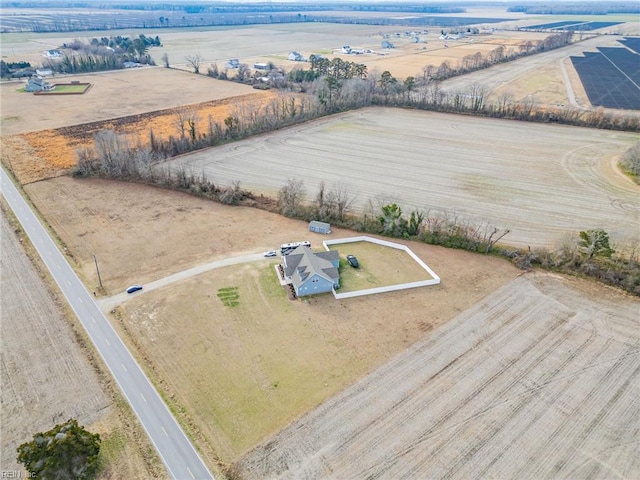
<point x="44" y="72"/>
<point x="319" y="227"/>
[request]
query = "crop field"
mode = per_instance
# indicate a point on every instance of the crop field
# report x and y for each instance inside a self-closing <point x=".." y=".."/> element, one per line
<point x="537" y="380"/>
<point x="542" y="182"/>
<point x="113" y="95"/>
<point x="45" y="376"/>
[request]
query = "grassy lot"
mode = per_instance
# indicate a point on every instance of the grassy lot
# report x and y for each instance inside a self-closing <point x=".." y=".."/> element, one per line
<point x="69" y="88"/>
<point x="244" y="361"/>
<point x="243" y="365"/>
<point x="379" y="267"/>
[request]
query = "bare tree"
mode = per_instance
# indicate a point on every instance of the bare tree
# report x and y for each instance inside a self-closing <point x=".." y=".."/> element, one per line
<point x="291" y="196"/>
<point x="213" y="71"/>
<point x="194" y="61"/>
<point x="186" y="122"/>
<point x="477" y="94"/>
<point x="243" y="72"/>
<point x="504" y="100"/>
<point x="320" y="201"/>
<point x="339" y="201"/>
<point x="631" y="159"/>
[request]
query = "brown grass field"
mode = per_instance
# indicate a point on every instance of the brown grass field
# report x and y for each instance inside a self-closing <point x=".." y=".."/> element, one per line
<point x="386" y="385"/>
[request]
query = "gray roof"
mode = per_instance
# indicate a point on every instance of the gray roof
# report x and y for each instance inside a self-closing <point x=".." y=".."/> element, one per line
<point x="304" y="261"/>
<point x="318" y="223"/>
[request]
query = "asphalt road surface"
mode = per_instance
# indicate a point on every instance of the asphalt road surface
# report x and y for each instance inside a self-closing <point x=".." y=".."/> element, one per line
<point x="176" y="451"/>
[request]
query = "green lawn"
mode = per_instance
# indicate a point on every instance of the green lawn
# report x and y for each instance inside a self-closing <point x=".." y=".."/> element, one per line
<point x="380" y="266"/>
<point x="68" y="88"/>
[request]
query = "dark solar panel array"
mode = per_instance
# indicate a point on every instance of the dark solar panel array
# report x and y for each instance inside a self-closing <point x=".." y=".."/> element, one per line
<point x="547" y="26"/>
<point x="632" y="43"/>
<point x="606" y="85"/>
<point x="572" y="25"/>
<point x="595" y="25"/>
<point x="625" y="60"/>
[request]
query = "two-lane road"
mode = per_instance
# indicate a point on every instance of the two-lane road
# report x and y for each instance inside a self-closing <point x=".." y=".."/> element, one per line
<point x="176" y="451"/>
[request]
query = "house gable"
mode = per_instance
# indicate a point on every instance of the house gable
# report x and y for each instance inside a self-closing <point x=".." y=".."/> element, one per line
<point x="312" y="272"/>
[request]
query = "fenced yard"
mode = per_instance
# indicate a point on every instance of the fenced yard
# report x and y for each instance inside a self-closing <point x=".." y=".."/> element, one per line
<point x="383" y="267"/>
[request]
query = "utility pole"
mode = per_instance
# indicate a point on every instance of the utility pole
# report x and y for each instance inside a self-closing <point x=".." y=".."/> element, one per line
<point x="97" y="270"/>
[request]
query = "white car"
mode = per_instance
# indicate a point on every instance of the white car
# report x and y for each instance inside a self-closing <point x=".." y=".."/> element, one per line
<point x="270" y="253"/>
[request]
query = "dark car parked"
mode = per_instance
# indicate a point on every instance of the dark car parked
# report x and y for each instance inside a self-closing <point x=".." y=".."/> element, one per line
<point x="353" y="261"/>
<point x="134" y="288"/>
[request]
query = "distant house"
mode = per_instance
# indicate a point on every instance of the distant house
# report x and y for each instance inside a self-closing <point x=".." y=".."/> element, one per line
<point x="44" y="72"/>
<point x="37" y="84"/>
<point x="233" y="63"/>
<point x="52" y="53"/>
<point x="387" y="44"/>
<point x="319" y="227"/>
<point x="296" y="57"/>
<point x="311" y="273"/>
<point x="261" y="66"/>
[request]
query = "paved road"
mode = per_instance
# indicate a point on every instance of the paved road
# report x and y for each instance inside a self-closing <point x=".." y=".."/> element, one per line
<point x="176" y="451"/>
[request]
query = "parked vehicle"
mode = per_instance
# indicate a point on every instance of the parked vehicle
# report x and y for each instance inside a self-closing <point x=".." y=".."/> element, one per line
<point x="134" y="288"/>
<point x="287" y="248"/>
<point x="353" y="261"/>
<point x="270" y="253"/>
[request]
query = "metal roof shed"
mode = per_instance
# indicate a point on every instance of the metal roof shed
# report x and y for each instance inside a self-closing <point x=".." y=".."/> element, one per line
<point x="319" y="227"/>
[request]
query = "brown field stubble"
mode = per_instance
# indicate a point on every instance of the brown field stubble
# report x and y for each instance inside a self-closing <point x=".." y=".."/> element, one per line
<point x="46" y="378"/>
<point x="534" y="381"/>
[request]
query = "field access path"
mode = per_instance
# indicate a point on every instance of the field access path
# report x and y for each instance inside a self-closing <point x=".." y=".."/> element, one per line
<point x="174" y="448"/>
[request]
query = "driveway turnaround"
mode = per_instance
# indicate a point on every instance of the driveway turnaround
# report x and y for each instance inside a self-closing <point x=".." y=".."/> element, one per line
<point x="174" y="448"/>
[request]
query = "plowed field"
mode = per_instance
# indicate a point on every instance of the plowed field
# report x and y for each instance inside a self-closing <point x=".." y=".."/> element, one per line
<point x="542" y="182"/>
<point x="538" y="380"/>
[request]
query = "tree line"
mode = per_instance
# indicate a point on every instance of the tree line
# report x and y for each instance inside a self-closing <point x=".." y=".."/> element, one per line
<point x="578" y="8"/>
<point x="102" y="54"/>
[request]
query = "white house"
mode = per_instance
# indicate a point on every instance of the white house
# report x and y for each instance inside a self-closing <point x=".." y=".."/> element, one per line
<point x="52" y="53"/>
<point x="296" y="57"/>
